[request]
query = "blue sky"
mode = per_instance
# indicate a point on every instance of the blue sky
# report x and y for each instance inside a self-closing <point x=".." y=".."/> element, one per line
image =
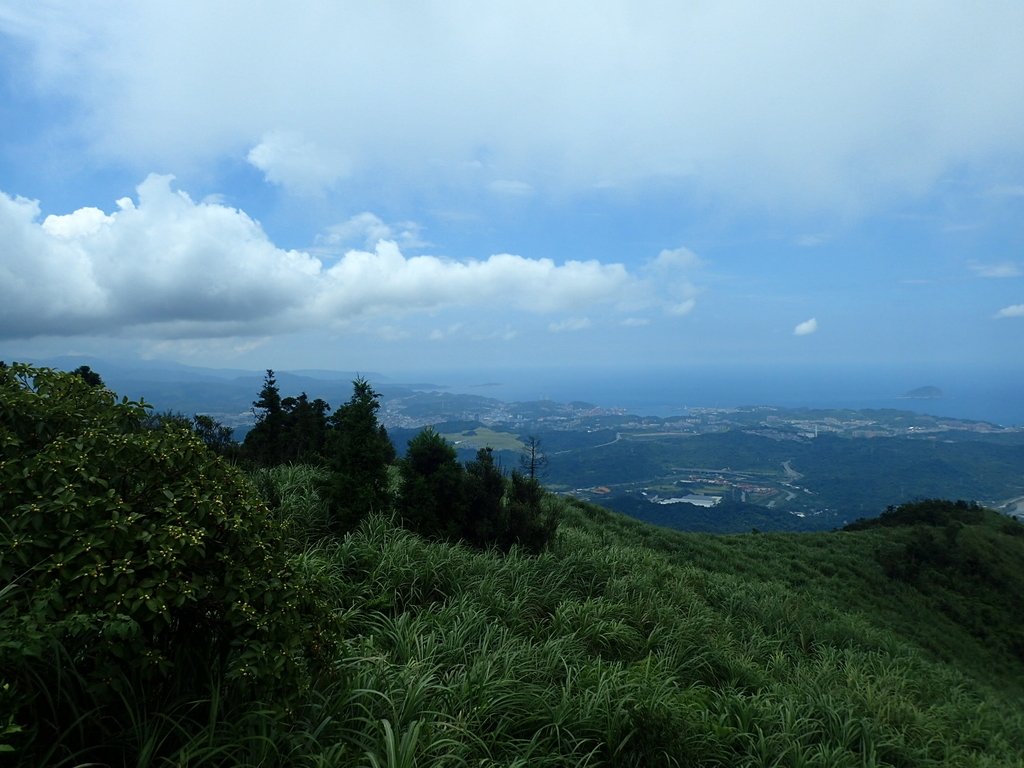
<point x="398" y="186"/>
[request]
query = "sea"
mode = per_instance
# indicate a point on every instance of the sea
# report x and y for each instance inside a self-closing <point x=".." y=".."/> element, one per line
<point x="994" y="395"/>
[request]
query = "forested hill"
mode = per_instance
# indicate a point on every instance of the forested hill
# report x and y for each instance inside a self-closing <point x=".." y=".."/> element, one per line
<point x="159" y="606"/>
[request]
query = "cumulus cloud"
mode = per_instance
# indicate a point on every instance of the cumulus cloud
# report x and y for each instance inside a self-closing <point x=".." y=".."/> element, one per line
<point x="771" y="104"/>
<point x="385" y="280"/>
<point x="167" y="261"/>
<point x="1014" y="310"/>
<point x="806" y="328"/>
<point x="1002" y="269"/>
<point x="184" y="270"/>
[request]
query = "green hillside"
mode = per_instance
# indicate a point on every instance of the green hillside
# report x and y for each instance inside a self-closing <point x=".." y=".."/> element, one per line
<point x="241" y="632"/>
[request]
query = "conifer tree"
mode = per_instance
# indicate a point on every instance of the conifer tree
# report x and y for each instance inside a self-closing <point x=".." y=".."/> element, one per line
<point x="359" y="454"/>
<point x="432" y="497"/>
<point x="486" y="516"/>
<point x="264" y="444"/>
<point x="529" y="525"/>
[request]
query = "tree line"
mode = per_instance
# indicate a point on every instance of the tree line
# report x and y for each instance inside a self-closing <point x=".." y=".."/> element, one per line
<point x="428" y="489"/>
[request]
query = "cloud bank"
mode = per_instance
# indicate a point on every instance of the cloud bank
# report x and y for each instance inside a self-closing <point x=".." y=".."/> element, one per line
<point x="181" y="269"/>
<point x="784" y="104"/>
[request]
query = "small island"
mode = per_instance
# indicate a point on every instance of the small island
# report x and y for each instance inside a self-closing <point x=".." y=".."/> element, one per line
<point x="923" y="393"/>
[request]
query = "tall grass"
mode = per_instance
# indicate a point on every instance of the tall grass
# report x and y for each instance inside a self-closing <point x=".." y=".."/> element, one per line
<point x="623" y="645"/>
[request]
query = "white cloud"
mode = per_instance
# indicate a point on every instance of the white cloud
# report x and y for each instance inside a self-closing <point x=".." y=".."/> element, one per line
<point x="806" y="328"/>
<point x="769" y="104"/>
<point x="675" y="259"/>
<point x="369" y="229"/>
<point x="682" y="308"/>
<point x="299" y="165"/>
<point x="1014" y="310"/>
<point x="667" y="276"/>
<point x="635" y="322"/>
<point x="1002" y="269"/>
<point x="385" y="280"/>
<point x="188" y="270"/>
<point x="193" y="268"/>
<point x="570" y="324"/>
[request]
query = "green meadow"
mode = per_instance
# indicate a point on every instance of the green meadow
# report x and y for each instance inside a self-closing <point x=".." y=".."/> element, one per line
<point x="481" y="437"/>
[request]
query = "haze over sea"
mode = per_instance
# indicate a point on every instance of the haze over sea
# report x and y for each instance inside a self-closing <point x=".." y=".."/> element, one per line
<point x="987" y="395"/>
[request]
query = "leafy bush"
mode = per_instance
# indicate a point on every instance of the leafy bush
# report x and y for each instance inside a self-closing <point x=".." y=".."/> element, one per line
<point x="133" y="556"/>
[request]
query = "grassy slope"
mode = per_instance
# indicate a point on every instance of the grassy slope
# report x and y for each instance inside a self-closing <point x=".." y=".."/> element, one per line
<point x="627" y="645"/>
<point x="631" y="645"/>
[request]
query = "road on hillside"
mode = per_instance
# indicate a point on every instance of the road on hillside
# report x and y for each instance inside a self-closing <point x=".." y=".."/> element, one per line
<point x="791" y="473"/>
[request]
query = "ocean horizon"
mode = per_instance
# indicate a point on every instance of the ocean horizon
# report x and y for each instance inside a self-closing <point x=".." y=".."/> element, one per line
<point x="983" y="395"/>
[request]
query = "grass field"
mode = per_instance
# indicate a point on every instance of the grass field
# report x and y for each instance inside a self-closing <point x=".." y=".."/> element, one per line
<point x="484" y="437"/>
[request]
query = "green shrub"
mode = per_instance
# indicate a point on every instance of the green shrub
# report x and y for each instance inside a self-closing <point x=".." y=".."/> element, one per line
<point x="132" y="557"/>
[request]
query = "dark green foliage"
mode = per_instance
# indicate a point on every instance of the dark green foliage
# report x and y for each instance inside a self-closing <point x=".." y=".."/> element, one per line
<point x="264" y="443"/>
<point x="965" y="561"/>
<point x="927" y="512"/>
<point x="529" y="525"/>
<point x="214" y="435"/>
<point x="133" y="561"/>
<point x="441" y="499"/>
<point x="432" y="499"/>
<point x="359" y="455"/>
<point x="487" y="519"/>
<point x="292" y="429"/>
<point x="89" y="376"/>
<point x="304" y="437"/>
<point x="728" y="516"/>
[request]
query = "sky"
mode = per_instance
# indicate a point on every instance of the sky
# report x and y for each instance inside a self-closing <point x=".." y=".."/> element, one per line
<point x="442" y="185"/>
